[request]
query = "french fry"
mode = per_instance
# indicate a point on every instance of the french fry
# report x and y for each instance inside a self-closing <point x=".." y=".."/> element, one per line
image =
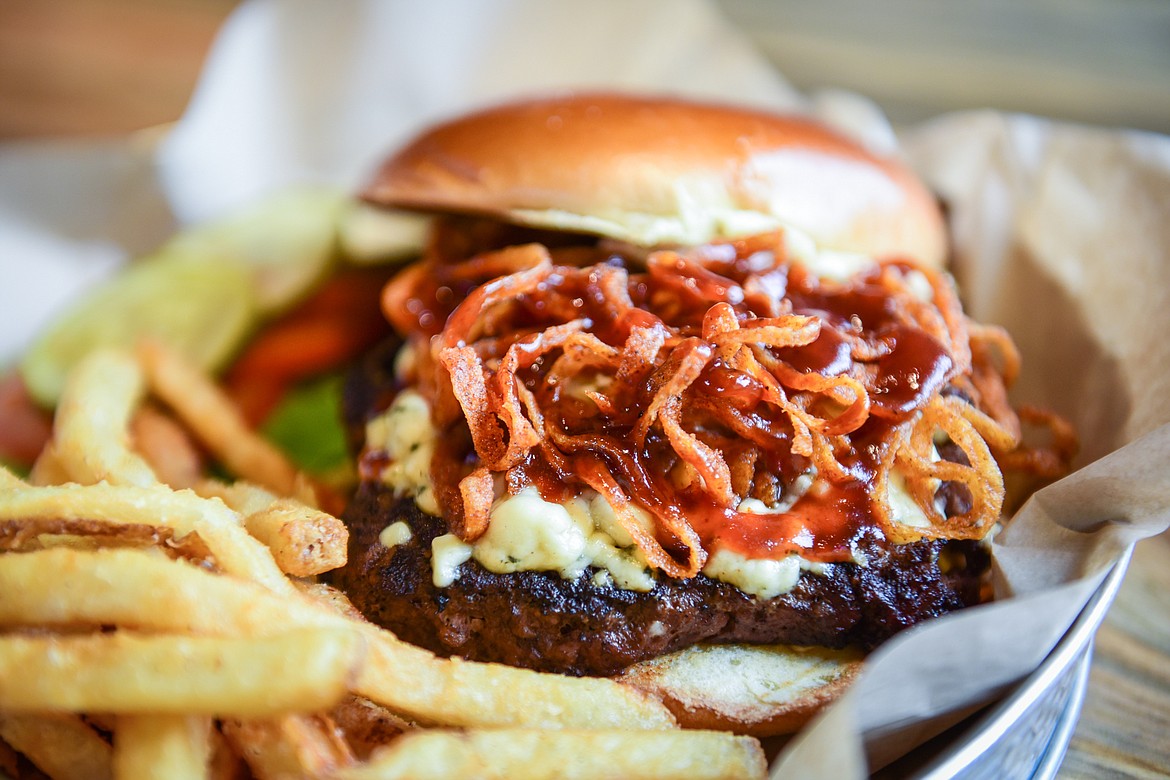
<point x="180" y="510"/>
<point x="292" y="746"/>
<point x="300" y="671"/>
<point x="367" y="725"/>
<point x="454" y="692"/>
<point x="226" y="763"/>
<point x="332" y="599"/>
<point x="134" y="589"/>
<point x="243" y="497"/>
<point x="208" y="625"/>
<point x="159" y="594"/>
<point x="9" y="481"/>
<point x="48" y="469"/>
<point x="304" y="541"/>
<point x="174" y="747"/>
<point x="512" y="754"/>
<point x="60" y="745"/>
<point x="102" y="721"/>
<point x="91" y="429"/>
<point x="216" y="422"/>
<point x="166" y="447"/>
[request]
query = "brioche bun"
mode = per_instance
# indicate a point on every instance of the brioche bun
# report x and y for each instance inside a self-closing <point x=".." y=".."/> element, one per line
<point x="661" y="171"/>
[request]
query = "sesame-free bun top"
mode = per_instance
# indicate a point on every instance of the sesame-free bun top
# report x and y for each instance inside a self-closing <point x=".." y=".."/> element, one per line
<point x="662" y="171"/>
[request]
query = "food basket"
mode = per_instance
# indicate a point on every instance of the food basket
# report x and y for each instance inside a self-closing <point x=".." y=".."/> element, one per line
<point x="1027" y="733"/>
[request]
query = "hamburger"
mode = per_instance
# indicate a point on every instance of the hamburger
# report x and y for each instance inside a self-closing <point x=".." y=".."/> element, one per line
<point x="679" y="393"/>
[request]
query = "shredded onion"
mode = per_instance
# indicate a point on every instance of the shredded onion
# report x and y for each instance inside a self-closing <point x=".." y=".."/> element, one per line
<point x="685" y="381"/>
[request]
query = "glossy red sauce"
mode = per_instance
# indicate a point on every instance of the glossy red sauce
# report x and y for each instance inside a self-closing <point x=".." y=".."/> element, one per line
<point x="865" y="333"/>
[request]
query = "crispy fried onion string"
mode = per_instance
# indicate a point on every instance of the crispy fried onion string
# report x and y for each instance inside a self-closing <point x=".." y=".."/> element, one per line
<point x="595" y="474"/>
<point x="712" y="376"/>
<point x="913" y="455"/>
<point x="682" y="368"/>
<point x="477" y="490"/>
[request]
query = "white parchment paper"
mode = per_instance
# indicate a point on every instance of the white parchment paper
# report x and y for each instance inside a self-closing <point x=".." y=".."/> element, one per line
<point x="1062" y="234"/>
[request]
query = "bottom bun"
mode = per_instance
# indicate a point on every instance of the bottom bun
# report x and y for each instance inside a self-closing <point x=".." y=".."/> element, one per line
<point x="762" y="690"/>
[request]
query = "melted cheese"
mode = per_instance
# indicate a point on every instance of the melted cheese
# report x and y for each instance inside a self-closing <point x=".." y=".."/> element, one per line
<point x="764" y="578"/>
<point x="904" y="510"/>
<point x="394" y="534"/>
<point x="405" y="434"/>
<point x="448" y="553"/>
<point x="527" y="533"/>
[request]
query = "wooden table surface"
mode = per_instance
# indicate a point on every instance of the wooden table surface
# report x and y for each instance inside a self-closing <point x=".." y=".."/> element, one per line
<point x="75" y="68"/>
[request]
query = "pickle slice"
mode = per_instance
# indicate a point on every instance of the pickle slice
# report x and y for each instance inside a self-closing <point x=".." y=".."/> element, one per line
<point x="203" y="308"/>
<point x="373" y="236"/>
<point x="306" y="426"/>
<point x="288" y="242"/>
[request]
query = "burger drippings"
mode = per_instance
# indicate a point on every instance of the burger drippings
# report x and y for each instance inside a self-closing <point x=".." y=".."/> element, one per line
<point x="688" y="382"/>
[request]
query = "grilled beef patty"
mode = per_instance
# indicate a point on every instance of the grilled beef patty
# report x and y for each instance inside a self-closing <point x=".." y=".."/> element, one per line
<point x="541" y="621"/>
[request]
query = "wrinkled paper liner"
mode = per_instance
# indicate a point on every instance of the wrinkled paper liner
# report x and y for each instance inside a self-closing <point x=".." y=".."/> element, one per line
<point x="1061" y="234"/>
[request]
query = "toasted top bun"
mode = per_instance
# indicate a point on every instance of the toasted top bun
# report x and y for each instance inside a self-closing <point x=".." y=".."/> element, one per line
<point x="659" y="171"/>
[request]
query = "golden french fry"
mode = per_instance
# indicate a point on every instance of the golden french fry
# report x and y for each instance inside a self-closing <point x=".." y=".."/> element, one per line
<point x="332" y="599"/>
<point x="138" y="589"/>
<point x="299" y="671"/>
<point x="526" y="754"/>
<point x="217" y="422"/>
<point x="60" y="745"/>
<point x="453" y="692"/>
<point x="162" y="746"/>
<point x="102" y="721"/>
<point x="292" y="746"/>
<point x="91" y="431"/>
<point x="243" y="497"/>
<point x="9" y="481"/>
<point x="48" y="469"/>
<point x="166" y="447"/>
<point x="304" y="541"/>
<point x="367" y="725"/>
<point x="182" y="511"/>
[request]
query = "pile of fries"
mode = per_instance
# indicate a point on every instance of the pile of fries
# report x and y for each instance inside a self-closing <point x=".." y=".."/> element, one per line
<point x="155" y="622"/>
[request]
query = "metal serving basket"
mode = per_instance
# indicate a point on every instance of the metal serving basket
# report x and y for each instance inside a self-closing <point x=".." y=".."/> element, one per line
<point x="1025" y="734"/>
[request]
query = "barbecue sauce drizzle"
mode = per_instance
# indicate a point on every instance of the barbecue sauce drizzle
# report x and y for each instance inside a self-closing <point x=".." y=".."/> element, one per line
<point x="870" y="328"/>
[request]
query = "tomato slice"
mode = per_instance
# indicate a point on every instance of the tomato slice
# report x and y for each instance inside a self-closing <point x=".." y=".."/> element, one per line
<point x="24" y="427"/>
